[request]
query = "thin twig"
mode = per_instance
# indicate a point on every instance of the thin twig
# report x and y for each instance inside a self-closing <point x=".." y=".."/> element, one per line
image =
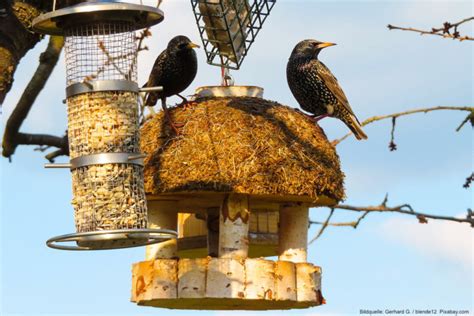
<point x="444" y="31"/>
<point x="392" y="144"/>
<point x="353" y="224"/>
<point x="410" y="112"/>
<point x="53" y="155"/>
<point x="12" y="136"/>
<point x="323" y="228"/>
<point x="469" y="118"/>
<point x="468" y="182"/>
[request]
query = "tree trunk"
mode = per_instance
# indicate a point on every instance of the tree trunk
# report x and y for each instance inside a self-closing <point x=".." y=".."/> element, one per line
<point x="16" y="38"/>
<point x="16" y="35"/>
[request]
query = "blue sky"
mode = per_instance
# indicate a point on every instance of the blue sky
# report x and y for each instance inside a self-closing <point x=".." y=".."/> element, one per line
<point x="389" y="262"/>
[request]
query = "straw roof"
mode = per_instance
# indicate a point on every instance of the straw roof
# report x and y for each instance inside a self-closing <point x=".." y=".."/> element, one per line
<point x="243" y="145"/>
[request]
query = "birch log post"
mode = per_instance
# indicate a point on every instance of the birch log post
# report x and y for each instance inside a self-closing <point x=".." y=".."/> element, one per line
<point x="285" y="281"/>
<point x="259" y="279"/>
<point x="234" y="227"/>
<point x="293" y="235"/>
<point x="192" y="278"/>
<point x="163" y="215"/>
<point x="308" y="281"/>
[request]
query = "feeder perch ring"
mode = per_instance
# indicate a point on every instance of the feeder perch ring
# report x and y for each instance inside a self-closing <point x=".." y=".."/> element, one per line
<point x="111" y="239"/>
<point x="107" y="158"/>
<point x="55" y="22"/>
<point x="101" y="85"/>
<point x="99" y="159"/>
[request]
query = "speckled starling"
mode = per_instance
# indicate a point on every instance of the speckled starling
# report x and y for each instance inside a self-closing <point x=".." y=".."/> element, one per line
<point x="315" y="87"/>
<point x="174" y="70"/>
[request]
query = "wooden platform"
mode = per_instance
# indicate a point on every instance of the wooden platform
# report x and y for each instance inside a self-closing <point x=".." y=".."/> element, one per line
<point x="226" y="284"/>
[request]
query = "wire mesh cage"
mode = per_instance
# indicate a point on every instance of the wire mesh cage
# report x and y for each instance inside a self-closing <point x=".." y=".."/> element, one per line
<point x="103" y="122"/>
<point x="101" y="51"/>
<point x="229" y="27"/>
<point x="107" y="196"/>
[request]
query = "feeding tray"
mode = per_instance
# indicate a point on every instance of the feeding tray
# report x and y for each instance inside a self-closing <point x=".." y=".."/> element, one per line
<point x="242" y="170"/>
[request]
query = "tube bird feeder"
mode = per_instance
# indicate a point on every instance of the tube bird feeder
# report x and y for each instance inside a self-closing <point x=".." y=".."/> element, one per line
<point x="103" y="127"/>
<point x="237" y="184"/>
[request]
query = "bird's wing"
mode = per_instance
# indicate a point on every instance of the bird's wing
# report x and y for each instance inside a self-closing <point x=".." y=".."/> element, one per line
<point x="157" y="71"/>
<point x="333" y="86"/>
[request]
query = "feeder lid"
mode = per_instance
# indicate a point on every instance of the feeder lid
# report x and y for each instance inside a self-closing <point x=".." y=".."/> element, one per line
<point x="246" y="145"/>
<point x="140" y="16"/>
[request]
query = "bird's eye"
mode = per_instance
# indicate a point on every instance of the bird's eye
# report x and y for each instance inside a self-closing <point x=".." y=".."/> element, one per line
<point x="182" y="45"/>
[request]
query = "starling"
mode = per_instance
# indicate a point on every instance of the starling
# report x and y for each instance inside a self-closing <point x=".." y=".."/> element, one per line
<point x="174" y="70"/>
<point x="315" y="87"/>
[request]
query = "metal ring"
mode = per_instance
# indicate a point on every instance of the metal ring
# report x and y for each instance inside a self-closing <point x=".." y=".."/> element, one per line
<point x="101" y="85"/>
<point x="140" y="15"/>
<point x="107" y="158"/>
<point x="111" y="239"/>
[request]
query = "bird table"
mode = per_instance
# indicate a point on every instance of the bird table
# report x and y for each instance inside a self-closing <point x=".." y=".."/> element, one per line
<point x="237" y="183"/>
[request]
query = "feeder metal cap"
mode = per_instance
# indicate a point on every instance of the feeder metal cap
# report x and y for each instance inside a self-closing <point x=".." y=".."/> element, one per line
<point x="140" y="16"/>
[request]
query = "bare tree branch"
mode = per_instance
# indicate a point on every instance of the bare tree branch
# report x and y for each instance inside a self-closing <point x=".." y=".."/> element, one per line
<point x="444" y="31"/>
<point x="12" y="136"/>
<point x="383" y="208"/>
<point x="410" y="112"/>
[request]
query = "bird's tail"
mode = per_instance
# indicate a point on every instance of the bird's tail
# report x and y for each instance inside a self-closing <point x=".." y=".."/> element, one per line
<point x="150" y="97"/>
<point x="354" y="125"/>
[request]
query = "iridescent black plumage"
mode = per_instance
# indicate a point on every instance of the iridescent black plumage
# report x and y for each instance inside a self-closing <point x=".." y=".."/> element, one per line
<point x="315" y="87"/>
<point x="174" y="70"/>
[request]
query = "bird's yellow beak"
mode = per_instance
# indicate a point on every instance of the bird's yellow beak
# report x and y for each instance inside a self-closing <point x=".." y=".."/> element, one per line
<point x="192" y="45"/>
<point x="323" y="45"/>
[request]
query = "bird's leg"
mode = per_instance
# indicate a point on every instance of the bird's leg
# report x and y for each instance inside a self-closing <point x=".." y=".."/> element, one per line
<point x="182" y="98"/>
<point x="168" y="116"/>
<point x="185" y="104"/>
<point x="313" y="117"/>
<point x="318" y="118"/>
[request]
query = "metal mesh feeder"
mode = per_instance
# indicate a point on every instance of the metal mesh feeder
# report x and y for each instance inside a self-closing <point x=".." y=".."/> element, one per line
<point x="103" y="123"/>
<point x="229" y="27"/>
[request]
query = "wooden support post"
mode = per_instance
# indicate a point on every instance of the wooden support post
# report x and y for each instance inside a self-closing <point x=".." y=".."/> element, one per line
<point x="234" y="227"/>
<point x="293" y="239"/>
<point x="163" y="214"/>
<point x="212" y="221"/>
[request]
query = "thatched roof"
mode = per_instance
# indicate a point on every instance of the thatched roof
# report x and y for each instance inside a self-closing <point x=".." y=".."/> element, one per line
<point x="243" y="145"/>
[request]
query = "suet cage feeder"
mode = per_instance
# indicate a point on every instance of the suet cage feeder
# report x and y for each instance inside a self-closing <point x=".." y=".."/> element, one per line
<point x="103" y="123"/>
<point x="229" y="27"/>
<point x="237" y="185"/>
